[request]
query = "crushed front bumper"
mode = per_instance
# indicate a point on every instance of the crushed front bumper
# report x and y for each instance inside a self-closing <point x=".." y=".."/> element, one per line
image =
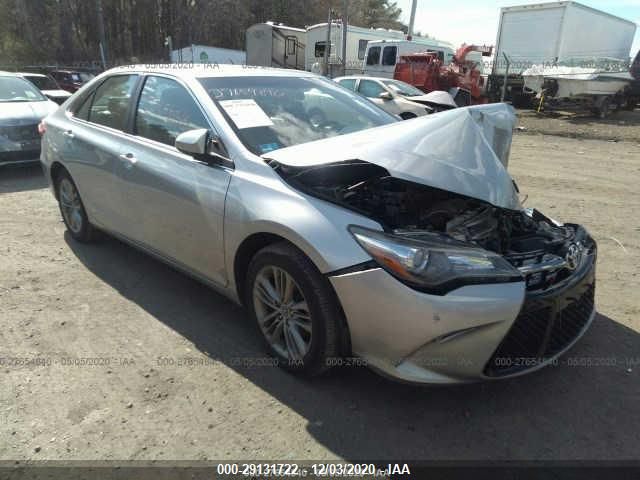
<point x="477" y="332"/>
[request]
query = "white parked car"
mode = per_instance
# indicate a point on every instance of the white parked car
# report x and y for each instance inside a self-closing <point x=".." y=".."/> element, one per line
<point x="396" y="97"/>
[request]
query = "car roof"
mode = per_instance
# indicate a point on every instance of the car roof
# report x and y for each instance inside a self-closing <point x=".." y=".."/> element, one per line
<point x="30" y="74"/>
<point x="188" y="70"/>
<point x="363" y="77"/>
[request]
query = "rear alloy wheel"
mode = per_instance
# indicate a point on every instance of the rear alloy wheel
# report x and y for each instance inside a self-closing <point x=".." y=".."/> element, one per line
<point x="72" y="209"/>
<point x="295" y="309"/>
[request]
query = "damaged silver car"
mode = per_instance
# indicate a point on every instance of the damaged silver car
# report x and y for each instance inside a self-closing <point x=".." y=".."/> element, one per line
<point x="345" y="233"/>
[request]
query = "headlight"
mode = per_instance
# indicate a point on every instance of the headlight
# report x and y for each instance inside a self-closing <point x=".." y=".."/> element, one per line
<point x="433" y="263"/>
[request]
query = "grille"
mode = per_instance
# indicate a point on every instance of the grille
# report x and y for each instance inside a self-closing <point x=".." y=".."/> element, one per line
<point x="20" y="133"/>
<point x="18" y="156"/>
<point x="544" y="328"/>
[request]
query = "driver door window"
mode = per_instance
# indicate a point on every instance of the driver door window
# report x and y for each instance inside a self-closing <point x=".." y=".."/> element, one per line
<point x="370" y="89"/>
<point x="165" y="110"/>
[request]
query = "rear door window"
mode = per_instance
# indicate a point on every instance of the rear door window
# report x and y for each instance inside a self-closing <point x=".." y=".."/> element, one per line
<point x="373" y="57"/>
<point x="165" y="110"/>
<point x="111" y="101"/>
<point x="83" y="111"/>
<point x="389" y="55"/>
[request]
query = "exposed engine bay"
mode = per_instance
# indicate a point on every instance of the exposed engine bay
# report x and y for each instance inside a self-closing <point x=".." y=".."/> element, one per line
<point x="530" y="241"/>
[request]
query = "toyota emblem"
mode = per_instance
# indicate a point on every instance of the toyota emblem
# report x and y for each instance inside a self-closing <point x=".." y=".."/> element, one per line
<point x="573" y="256"/>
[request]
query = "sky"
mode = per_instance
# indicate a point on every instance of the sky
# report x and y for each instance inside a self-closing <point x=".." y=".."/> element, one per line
<point x="476" y="21"/>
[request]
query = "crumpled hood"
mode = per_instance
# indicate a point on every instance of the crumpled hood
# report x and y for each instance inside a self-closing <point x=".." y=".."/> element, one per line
<point x="464" y="151"/>
<point x="437" y="96"/>
<point x="24" y="113"/>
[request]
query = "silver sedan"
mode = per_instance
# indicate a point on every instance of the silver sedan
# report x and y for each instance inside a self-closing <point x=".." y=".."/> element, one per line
<point x="350" y="237"/>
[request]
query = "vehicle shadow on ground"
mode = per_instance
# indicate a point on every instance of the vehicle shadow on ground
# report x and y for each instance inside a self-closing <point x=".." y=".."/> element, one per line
<point x="21" y="178"/>
<point x="588" y="411"/>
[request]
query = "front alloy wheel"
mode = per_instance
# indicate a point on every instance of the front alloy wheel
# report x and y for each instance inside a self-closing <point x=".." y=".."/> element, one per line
<point x="282" y="313"/>
<point x="296" y="310"/>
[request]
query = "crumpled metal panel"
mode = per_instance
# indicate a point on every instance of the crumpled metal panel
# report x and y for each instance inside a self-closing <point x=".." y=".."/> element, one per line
<point x="464" y="150"/>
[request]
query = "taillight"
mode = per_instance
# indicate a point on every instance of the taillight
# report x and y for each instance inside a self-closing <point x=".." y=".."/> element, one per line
<point x="42" y="127"/>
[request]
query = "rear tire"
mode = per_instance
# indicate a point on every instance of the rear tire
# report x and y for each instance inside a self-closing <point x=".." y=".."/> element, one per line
<point x="72" y="209"/>
<point x="295" y="310"/>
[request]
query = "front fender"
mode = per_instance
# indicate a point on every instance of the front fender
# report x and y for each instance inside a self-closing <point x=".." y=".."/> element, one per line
<point x="318" y="228"/>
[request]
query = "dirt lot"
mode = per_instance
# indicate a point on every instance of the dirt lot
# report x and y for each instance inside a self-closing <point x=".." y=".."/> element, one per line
<point x="62" y="302"/>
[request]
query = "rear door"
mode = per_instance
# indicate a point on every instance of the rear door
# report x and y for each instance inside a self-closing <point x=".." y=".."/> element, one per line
<point x="90" y="145"/>
<point x="174" y="203"/>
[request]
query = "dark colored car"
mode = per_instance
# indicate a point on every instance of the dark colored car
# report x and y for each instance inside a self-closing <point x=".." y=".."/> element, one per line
<point x="22" y="107"/>
<point x="48" y="86"/>
<point x="71" y="80"/>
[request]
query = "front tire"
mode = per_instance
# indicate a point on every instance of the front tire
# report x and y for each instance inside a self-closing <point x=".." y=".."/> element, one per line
<point x="72" y="209"/>
<point x="295" y="309"/>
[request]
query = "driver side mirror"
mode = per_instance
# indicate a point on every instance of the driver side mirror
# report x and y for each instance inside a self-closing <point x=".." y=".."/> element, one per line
<point x="201" y="144"/>
<point x="385" y="96"/>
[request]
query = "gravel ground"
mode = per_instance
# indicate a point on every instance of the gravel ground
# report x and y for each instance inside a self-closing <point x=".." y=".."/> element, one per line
<point x="171" y="379"/>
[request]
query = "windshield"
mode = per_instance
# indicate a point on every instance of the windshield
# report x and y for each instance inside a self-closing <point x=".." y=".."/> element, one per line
<point x="43" y="83"/>
<point x="270" y="113"/>
<point x="14" y="89"/>
<point x="402" y="88"/>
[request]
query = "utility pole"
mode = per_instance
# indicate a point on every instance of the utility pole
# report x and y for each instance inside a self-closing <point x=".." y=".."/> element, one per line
<point x="103" y="41"/>
<point x="412" y="19"/>
<point x="327" y="46"/>
<point x="345" y="27"/>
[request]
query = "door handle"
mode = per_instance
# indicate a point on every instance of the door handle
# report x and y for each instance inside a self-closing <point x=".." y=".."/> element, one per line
<point x="129" y="158"/>
<point x="68" y="133"/>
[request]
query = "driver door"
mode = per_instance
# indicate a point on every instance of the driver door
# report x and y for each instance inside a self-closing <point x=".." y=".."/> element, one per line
<point x="372" y="89"/>
<point x="175" y="204"/>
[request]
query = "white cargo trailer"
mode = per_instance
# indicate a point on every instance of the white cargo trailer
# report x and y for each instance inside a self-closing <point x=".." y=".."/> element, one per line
<point x="357" y="41"/>
<point x="548" y="33"/>
<point x="206" y="54"/>
<point x="272" y="45"/>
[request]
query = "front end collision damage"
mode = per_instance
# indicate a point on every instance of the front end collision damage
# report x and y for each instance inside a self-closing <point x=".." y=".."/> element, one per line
<point x="445" y="176"/>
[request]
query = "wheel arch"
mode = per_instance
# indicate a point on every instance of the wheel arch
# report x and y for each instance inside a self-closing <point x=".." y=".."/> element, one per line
<point x="255" y="242"/>
<point x="54" y="171"/>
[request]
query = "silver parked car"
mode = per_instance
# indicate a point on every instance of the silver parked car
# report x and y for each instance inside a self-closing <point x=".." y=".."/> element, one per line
<point x="346" y="235"/>
<point x="397" y="97"/>
<point x="22" y="107"/>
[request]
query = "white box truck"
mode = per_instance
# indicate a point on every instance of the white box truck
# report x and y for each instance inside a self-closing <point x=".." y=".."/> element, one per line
<point x="548" y="33"/>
